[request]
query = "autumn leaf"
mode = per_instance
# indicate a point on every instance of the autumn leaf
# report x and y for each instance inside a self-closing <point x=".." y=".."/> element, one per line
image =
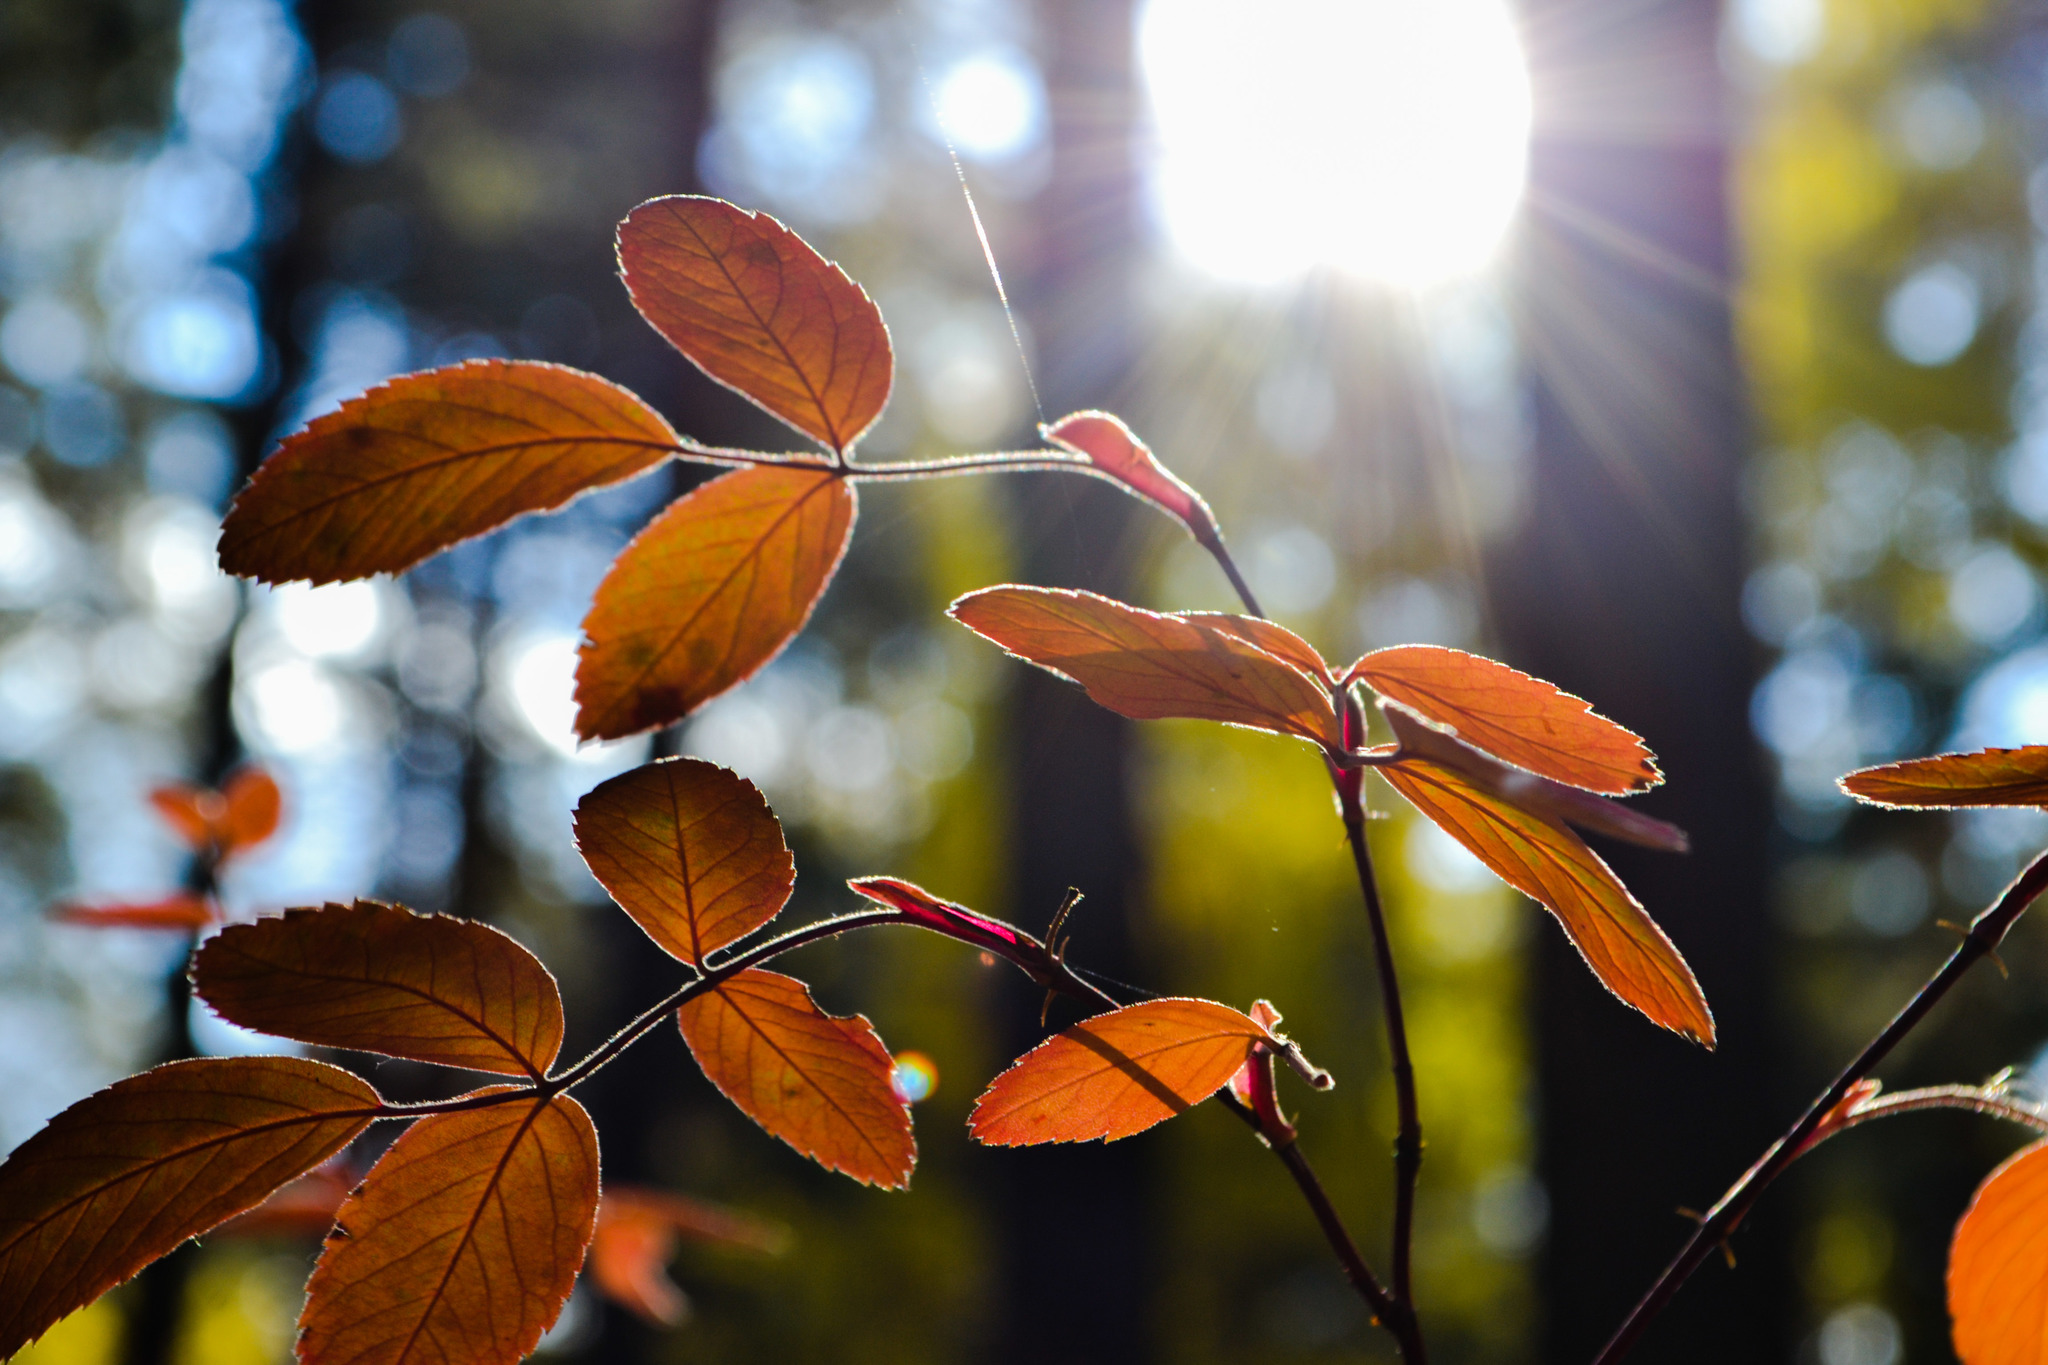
<point x="690" y="850"/>
<point x="221" y="824"/>
<point x="1548" y="863"/>
<point x="183" y="912"/>
<point x="1988" y="777"/>
<point x="753" y="306"/>
<point x="1553" y="801"/>
<point x="124" y="1176"/>
<point x="1278" y="641"/>
<point x="1150" y="666"/>
<point x="707" y="594"/>
<point x="637" y="1234"/>
<point x="922" y="908"/>
<point x="302" y="1208"/>
<point x="379" y="978"/>
<point x="1511" y="715"/>
<point x="819" y="1083"/>
<point x="1116" y="1074"/>
<point x="463" y="1242"/>
<point x="431" y="459"/>
<point x="1998" y="1266"/>
<point x="1115" y="451"/>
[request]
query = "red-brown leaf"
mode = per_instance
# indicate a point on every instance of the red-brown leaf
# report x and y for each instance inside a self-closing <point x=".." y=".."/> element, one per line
<point x="1150" y="666"/>
<point x="379" y="978"/>
<point x="637" y="1233"/>
<point x="753" y="306"/>
<point x="690" y="850"/>
<point x="1278" y="641"/>
<point x="1548" y="863"/>
<point x="819" y="1083"/>
<point x="1998" y="1266"/>
<point x="1989" y="777"/>
<point x="1513" y="716"/>
<point x="431" y="459"/>
<point x="124" y="1176"/>
<point x="707" y="594"/>
<point x="462" y="1244"/>
<point x="1116" y="1074"/>
<point x="303" y="1208"/>
<point x="922" y="908"/>
<point x="1115" y="450"/>
<point x="253" y="805"/>
<point x="195" y="813"/>
<point x="183" y="912"/>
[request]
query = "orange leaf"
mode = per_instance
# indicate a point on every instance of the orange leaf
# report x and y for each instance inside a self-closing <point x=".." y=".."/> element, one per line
<point x="707" y="594"/>
<point x="253" y="807"/>
<point x="753" y="306"/>
<point x="1116" y="1074"/>
<point x="1989" y="777"/>
<point x="124" y="1176"/>
<point x="637" y="1232"/>
<point x="819" y="1083"/>
<point x="1553" y="801"/>
<point x="690" y="850"/>
<point x="303" y="1208"/>
<point x="1511" y="715"/>
<point x="1112" y="448"/>
<point x="193" y="812"/>
<point x="1149" y="666"/>
<point x="1548" y="863"/>
<point x="1278" y="641"/>
<point x="379" y="978"/>
<point x="186" y="913"/>
<point x="429" y="460"/>
<point x="462" y="1244"/>
<point x="1998" y="1266"/>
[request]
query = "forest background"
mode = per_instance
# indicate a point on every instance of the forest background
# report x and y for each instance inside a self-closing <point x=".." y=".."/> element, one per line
<point x="1716" y="392"/>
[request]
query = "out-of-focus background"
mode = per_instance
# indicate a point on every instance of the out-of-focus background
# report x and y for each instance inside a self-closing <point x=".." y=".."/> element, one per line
<point x="1689" y="356"/>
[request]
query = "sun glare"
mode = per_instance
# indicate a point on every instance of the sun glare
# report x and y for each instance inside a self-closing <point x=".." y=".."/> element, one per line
<point x="1383" y="137"/>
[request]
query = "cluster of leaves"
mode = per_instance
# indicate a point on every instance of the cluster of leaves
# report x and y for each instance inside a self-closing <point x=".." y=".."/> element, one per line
<point x="462" y="1241"/>
<point x="217" y="826"/>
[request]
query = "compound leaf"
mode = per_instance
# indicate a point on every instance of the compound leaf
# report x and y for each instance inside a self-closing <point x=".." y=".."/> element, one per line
<point x="819" y="1083"/>
<point x="379" y="978"/>
<point x="1989" y="777"/>
<point x="707" y="594"/>
<point x="1149" y="666"/>
<point x="431" y="459"/>
<point x="1117" y="1074"/>
<point x="690" y="850"/>
<point x="1509" y="714"/>
<point x="123" y="1176"/>
<point x="463" y="1242"/>
<point x="1548" y="863"/>
<point x="753" y="306"/>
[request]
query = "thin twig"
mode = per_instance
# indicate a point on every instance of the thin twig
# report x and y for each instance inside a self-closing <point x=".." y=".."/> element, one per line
<point x="1000" y="461"/>
<point x="1984" y="936"/>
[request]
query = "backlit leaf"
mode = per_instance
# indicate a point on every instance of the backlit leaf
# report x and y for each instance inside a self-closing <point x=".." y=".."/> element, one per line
<point x="1513" y="716"/>
<point x="379" y="978"/>
<point x="1998" y="1266"/>
<point x="754" y="307"/>
<point x="462" y="1243"/>
<point x="1149" y="666"/>
<point x="707" y="594"/>
<point x="1116" y="451"/>
<point x="1278" y="641"/>
<point x="124" y="1176"/>
<point x="690" y="850"/>
<point x="428" y="460"/>
<point x="1989" y="777"/>
<point x="253" y="806"/>
<point x="185" y="913"/>
<point x="1116" y="1074"/>
<point x="193" y="812"/>
<point x="1547" y="862"/>
<point x="819" y="1083"/>
<point x="942" y="916"/>
<point x="303" y="1208"/>
<point x="1540" y="796"/>
<point x="637" y="1233"/>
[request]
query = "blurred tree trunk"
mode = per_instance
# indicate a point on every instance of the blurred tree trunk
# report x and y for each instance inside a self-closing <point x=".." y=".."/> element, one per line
<point x="1075" y="1249"/>
<point x="1624" y="587"/>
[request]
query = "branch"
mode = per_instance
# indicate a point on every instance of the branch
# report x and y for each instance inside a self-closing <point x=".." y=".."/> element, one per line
<point x="1984" y="936"/>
